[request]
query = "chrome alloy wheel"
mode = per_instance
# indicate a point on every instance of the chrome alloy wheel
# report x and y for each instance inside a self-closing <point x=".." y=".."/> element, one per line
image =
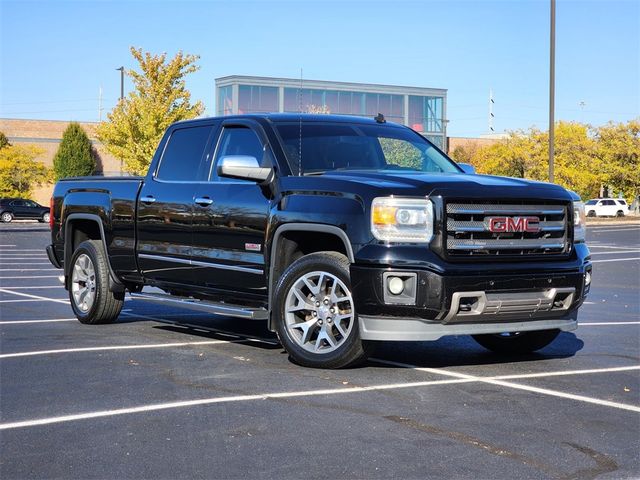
<point x="319" y="312"/>
<point x="7" y="217"/>
<point x="83" y="283"/>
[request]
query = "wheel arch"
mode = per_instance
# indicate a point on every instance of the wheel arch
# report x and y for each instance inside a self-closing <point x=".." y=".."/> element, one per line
<point x="285" y="236"/>
<point x="79" y="227"/>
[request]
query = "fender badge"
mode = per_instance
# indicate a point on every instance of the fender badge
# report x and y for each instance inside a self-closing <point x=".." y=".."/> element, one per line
<point x="252" y="247"/>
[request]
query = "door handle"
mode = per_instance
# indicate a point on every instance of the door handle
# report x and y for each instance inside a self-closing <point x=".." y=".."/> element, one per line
<point x="203" y="201"/>
<point x="148" y="199"/>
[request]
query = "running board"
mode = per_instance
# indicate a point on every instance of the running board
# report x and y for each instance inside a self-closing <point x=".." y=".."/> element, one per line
<point x="216" y="308"/>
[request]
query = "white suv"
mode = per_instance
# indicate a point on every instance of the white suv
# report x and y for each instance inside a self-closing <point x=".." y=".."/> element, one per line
<point x="606" y="207"/>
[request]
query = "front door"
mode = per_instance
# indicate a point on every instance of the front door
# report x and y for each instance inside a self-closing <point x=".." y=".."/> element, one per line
<point x="166" y="206"/>
<point x="230" y="220"/>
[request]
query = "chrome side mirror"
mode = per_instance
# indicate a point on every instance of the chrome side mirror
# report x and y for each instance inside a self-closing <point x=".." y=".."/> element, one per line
<point x="467" y="168"/>
<point x="244" y="167"/>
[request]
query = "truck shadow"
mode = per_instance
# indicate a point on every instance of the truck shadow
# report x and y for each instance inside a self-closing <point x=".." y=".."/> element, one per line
<point x="464" y="351"/>
<point x="445" y="352"/>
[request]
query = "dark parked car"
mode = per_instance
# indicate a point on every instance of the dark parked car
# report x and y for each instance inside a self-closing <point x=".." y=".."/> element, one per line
<point x="19" y="208"/>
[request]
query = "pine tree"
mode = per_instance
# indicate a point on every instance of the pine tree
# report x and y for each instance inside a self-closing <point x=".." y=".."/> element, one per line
<point x="74" y="157"/>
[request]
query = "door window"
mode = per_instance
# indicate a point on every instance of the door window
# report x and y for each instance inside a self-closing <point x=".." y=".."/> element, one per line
<point x="181" y="158"/>
<point x="237" y="141"/>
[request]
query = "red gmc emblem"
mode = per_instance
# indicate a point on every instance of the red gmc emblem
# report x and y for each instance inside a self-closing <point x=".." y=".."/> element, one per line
<point x="513" y="224"/>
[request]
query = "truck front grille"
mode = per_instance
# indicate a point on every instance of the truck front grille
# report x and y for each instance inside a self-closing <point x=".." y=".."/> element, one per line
<point x="473" y="229"/>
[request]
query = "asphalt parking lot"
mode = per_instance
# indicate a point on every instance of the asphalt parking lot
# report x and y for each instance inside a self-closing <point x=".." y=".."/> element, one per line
<point x="177" y="394"/>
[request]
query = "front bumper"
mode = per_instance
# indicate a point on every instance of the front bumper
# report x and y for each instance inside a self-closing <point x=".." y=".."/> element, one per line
<point x="450" y="301"/>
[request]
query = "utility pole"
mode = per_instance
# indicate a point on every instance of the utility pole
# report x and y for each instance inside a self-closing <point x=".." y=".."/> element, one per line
<point x="121" y="82"/>
<point x="491" y="115"/>
<point x="552" y="85"/>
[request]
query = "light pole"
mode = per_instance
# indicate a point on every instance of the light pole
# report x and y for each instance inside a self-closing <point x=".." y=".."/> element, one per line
<point x="552" y="82"/>
<point x="121" y="82"/>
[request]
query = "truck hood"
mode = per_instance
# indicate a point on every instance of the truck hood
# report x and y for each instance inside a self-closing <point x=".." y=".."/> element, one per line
<point x="449" y="184"/>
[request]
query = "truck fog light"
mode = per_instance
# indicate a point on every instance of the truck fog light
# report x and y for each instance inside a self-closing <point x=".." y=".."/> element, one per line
<point x="395" y="285"/>
<point x="587" y="278"/>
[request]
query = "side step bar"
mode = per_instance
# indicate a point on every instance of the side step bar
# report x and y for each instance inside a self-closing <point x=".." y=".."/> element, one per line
<point x="216" y="308"/>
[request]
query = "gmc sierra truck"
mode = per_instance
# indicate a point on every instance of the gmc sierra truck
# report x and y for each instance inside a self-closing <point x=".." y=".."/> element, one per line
<point x="335" y="230"/>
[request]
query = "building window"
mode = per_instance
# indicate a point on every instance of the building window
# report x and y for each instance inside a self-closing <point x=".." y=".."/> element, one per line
<point x="257" y="99"/>
<point x="345" y="103"/>
<point x="225" y="100"/>
<point x="437" y="140"/>
<point x="425" y="113"/>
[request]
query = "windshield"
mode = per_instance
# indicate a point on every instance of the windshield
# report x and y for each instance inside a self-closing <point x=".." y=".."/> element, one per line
<point x="343" y="146"/>
<point x="591" y="202"/>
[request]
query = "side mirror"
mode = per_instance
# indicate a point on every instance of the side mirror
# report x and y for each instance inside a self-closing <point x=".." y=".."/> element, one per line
<point x="468" y="169"/>
<point x="243" y="167"/>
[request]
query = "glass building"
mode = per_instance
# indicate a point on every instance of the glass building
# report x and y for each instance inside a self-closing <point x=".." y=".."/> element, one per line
<point x="423" y="109"/>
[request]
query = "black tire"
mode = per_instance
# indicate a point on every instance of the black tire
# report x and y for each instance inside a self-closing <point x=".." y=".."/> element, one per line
<point x="6" y="217"/>
<point x="44" y="218"/>
<point x="352" y="350"/>
<point x="619" y="213"/>
<point x="591" y="213"/>
<point x="517" y="343"/>
<point x="106" y="305"/>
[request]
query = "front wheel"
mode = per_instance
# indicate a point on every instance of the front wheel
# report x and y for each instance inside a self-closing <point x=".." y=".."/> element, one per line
<point x="517" y="342"/>
<point x="619" y="213"/>
<point x="91" y="299"/>
<point x="591" y="213"/>
<point x="44" y="218"/>
<point x="316" y="320"/>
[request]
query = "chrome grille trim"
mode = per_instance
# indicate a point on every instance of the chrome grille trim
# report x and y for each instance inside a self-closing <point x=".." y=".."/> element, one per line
<point x="467" y="234"/>
<point x="472" y="226"/>
<point x="496" y="209"/>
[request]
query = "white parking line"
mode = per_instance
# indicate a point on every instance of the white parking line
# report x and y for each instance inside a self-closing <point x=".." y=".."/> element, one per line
<point x="18" y="322"/>
<point x="22" y="250"/>
<point x="38" y="287"/>
<point x="308" y="393"/>
<point x="616" y="260"/>
<point x="38" y="297"/>
<point x="614" y="253"/>
<point x="637" y="229"/>
<point x="2" y="246"/>
<point x="115" y="347"/>
<point x="27" y="270"/>
<point x="609" y="246"/>
<point x="603" y="324"/>
<point x="22" y="301"/>
<point x="517" y="386"/>
<point x="28" y="277"/>
<point x="25" y="263"/>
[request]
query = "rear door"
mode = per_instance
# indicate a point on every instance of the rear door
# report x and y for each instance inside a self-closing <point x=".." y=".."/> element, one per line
<point x="165" y="206"/>
<point x="19" y="209"/>
<point x="230" y="217"/>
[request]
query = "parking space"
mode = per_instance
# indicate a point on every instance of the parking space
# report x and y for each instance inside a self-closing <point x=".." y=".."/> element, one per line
<point x="168" y="393"/>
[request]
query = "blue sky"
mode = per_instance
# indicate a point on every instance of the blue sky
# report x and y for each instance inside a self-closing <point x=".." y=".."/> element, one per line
<point x="55" y="55"/>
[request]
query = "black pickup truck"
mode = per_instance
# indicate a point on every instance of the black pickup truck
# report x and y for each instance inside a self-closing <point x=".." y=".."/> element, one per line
<point x="336" y="230"/>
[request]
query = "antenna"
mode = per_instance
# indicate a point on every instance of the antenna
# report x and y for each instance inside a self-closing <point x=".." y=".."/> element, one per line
<point x="300" y="116"/>
<point x="100" y="104"/>
<point x="491" y="115"/>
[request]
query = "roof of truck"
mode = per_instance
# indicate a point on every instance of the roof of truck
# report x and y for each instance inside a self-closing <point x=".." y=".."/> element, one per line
<point x="296" y="117"/>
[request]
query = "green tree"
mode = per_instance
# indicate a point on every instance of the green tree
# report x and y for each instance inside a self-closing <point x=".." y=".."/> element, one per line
<point x="136" y="125"/>
<point x="619" y="152"/>
<point x="4" y="141"/>
<point x="20" y="172"/>
<point x="74" y="157"/>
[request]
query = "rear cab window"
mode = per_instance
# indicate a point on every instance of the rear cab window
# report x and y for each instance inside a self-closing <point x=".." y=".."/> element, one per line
<point x="182" y="156"/>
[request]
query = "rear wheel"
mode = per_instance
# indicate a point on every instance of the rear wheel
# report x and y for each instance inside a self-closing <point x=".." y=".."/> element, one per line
<point x="91" y="299"/>
<point x="591" y="213"/>
<point x="619" y="213"/>
<point x="6" y="217"/>
<point x="517" y="342"/>
<point x="316" y="319"/>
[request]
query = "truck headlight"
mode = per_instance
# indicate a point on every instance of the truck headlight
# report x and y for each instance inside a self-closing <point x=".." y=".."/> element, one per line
<point x="406" y="220"/>
<point x="579" y="222"/>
